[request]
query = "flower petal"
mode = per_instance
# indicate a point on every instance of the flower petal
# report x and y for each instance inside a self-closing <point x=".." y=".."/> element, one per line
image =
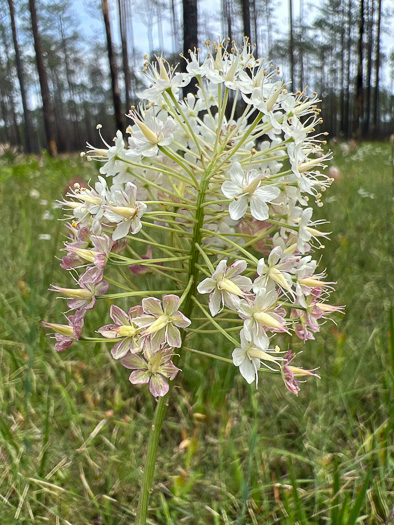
<point x="108" y="331"/>
<point x="231" y="190"/>
<point x="206" y="286"/>
<point x="238" y="208"/>
<point x="215" y="302"/>
<point x="236" y="268"/>
<point x="170" y="304"/>
<point x="158" y="386"/>
<point x="248" y="370"/>
<point x="119" y="316"/>
<point x="152" y="306"/>
<point x="173" y="336"/>
<point x="139" y="377"/>
<point x="238" y="356"/>
<point x="180" y="320"/>
<point x="121" y="348"/>
<point x="258" y="208"/>
<point x="122" y="230"/>
<point x="134" y="361"/>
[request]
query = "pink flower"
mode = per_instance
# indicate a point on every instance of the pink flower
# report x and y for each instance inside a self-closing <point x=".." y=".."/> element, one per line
<point x="84" y="298"/>
<point x="154" y="369"/>
<point x="126" y="326"/>
<point x="289" y="373"/>
<point x="165" y="321"/>
<point x="65" y="335"/>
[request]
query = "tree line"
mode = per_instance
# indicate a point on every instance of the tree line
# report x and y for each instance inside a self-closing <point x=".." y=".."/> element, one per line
<point x="55" y="84"/>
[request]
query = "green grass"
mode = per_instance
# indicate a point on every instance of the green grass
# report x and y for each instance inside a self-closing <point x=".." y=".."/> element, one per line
<point x="73" y="430"/>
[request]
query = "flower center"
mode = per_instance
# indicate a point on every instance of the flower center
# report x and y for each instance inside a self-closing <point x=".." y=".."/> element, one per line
<point x="126" y="331"/>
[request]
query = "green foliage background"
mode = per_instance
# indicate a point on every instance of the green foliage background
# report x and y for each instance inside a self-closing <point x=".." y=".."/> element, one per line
<point x="73" y="430"/>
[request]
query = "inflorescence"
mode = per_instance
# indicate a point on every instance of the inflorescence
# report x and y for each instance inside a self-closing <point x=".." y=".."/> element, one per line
<point x="215" y="187"/>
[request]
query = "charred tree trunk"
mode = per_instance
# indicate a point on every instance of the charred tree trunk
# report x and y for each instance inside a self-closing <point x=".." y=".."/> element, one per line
<point x="377" y="70"/>
<point x="358" y="107"/>
<point x="49" y="123"/>
<point x="255" y="32"/>
<point x="113" y="69"/>
<point x="246" y="17"/>
<point x="21" y="78"/>
<point x="190" y="34"/>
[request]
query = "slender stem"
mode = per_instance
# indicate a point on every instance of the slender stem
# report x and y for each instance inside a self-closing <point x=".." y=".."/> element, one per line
<point x="150" y="461"/>
<point x="187" y="301"/>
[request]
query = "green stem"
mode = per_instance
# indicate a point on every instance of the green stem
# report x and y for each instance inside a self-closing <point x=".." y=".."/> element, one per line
<point x="187" y="301"/>
<point x="150" y="461"/>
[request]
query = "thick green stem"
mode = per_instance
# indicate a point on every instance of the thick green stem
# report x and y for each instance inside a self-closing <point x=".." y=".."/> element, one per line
<point x="150" y="461"/>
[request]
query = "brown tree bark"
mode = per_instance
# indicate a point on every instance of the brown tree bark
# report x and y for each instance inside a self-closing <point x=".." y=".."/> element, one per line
<point x="113" y="69"/>
<point x="21" y="78"/>
<point x="49" y="123"/>
<point x="358" y="107"/>
<point x="377" y="70"/>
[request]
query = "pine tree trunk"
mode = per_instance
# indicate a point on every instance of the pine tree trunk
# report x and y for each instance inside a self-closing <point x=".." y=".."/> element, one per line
<point x="367" y="112"/>
<point x="291" y="44"/>
<point x="21" y="78"/>
<point x="377" y="70"/>
<point x="358" y="107"/>
<point x="49" y="122"/>
<point x="246" y="17"/>
<point x="342" y="92"/>
<point x="190" y="35"/>
<point x="113" y="69"/>
<point x="348" y="64"/>
<point x="125" y="51"/>
<point x="174" y="22"/>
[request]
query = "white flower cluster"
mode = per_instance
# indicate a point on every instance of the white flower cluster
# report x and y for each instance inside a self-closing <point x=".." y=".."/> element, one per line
<point x="222" y="174"/>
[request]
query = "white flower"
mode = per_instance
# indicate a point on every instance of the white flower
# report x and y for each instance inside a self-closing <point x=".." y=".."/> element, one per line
<point x="249" y="356"/>
<point x="246" y="189"/>
<point x="226" y="286"/>
<point x="274" y="272"/>
<point x="125" y="211"/>
<point x="161" y="77"/>
<point x="151" y="132"/>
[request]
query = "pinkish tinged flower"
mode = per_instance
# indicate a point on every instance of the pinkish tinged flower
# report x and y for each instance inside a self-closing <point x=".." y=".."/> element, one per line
<point x="154" y="369"/>
<point x="65" y="335"/>
<point x="226" y="286"/>
<point x="289" y="373"/>
<point x="80" y="240"/>
<point x="165" y="321"/>
<point x="84" y="298"/>
<point x="126" y="326"/>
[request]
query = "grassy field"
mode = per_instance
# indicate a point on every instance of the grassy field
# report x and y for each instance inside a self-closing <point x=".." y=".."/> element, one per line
<point x="73" y="430"/>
